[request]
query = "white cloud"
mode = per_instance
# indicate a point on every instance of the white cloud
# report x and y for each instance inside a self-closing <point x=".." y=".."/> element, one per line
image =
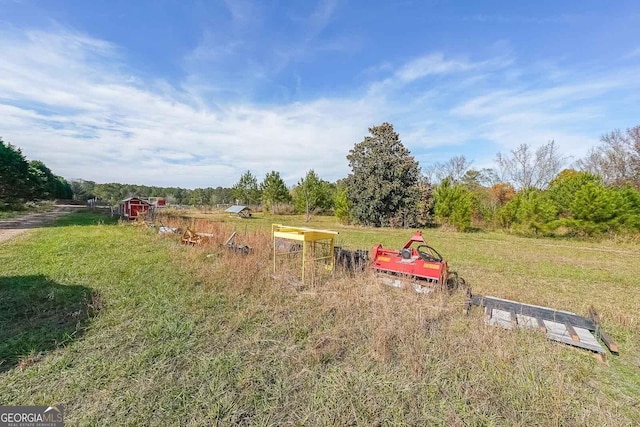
<point x="105" y="127"/>
<point x="243" y="12"/>
<point x="574" y="111"/>
<point x="71" y="101"/>
<point x="632" y="54"/>
<point x="430" y="65"/>
<point x="521" y="19"/>
<point x="321" y="16"/>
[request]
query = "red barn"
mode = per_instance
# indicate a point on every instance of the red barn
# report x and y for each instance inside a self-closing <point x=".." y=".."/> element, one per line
<point x="132" y="207"/>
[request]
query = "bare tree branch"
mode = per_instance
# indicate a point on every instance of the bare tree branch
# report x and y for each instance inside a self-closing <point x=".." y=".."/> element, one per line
<point x="527" y="169"/>
<point x="617" y="159"/>
<point x="454" y="169"/>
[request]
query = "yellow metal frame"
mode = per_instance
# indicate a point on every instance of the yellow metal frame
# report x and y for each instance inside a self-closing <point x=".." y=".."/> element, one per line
<point x="308" y="237"/>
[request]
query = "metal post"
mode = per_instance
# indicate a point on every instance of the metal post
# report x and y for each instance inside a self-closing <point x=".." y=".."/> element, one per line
<point x="274" y="254"/>
<point x="304" y="257"/>
<point x="331" y="254"/>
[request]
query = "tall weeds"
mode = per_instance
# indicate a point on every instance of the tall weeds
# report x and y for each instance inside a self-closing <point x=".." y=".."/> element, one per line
<point x="342" y="349"/>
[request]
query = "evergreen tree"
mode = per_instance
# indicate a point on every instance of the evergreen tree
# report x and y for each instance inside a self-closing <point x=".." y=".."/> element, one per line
<point x="384" y="184"/>
<point x="15" y="184"/>
<point x="530" y="211"/>
<point x="311" y="194"/>
<point x="83" y="190"/>
<point x="246" y="189"/>
<point x="43" y="181"/>
<point x="453" y="204"/>
<point x="62" y="189"/>
<point x="341" y="204"/>
<point x="597" y="204"/>
<point x="274" y="191"/>
<point x="563" y="189"/>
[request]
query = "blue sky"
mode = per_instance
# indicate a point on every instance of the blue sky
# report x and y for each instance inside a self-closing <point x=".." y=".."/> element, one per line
<point x="193" y="93"/>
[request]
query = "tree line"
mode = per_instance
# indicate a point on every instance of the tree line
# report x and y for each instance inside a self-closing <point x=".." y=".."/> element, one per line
<point x="22" y="180"/>
<point x="112" y="193"/>
<point x="529" y="191"/>
<point x="532" y="192"/>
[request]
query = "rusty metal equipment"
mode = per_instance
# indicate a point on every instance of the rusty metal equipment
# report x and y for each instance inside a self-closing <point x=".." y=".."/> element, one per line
<point x="192" y="238"/>
<point x="351" y="260"/>
<point x="416" y="264"/>
<point x="557" y="325"/>
<point x="237" y="248"/>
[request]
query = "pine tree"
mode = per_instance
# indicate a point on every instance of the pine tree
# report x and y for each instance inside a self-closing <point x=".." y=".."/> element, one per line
<point x="311" y="193"/>
<point x="274" y="191"/>
<point x="246" y="189"/>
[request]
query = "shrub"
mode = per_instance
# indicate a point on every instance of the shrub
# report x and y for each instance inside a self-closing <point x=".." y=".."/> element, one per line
<point x="454" y="205"/>
<point x="341" y="204"/>
<point x="529" y="212"/>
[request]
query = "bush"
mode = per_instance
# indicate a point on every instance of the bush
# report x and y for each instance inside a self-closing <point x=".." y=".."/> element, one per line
<point x="529" y="212"/>
<point x="563" y="189"/>
<point x="597" y="209"/>
<point x="454" y="205"/>
<point x="630" y="212"/>
<point x="341" y="204"/>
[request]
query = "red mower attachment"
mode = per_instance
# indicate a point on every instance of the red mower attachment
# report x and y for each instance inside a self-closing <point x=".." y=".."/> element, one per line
<point x="419" y="265"/>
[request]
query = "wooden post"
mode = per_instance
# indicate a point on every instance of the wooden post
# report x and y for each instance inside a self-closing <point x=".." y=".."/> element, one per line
<point x="572" y="332"/>
<point x="609" y="342"/>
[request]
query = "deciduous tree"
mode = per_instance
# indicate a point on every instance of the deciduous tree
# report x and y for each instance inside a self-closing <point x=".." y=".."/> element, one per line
<point x="617" y="159"/>
<point x="454" y="169"/>
<point x="526" y="168"/>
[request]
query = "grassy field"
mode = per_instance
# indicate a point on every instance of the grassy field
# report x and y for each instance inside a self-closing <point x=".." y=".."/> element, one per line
<point x="24" y="210"/>
<point x="125" y="327"/>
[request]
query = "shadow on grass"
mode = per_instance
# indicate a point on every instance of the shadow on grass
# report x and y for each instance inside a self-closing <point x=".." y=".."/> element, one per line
<point x="37" y="315"/>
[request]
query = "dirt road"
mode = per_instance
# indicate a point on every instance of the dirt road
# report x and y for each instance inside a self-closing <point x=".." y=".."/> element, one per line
<point x="10" y="228"/>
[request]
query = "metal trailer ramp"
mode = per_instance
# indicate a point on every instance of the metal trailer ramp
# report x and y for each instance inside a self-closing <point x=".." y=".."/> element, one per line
<point x="557" y="325"/>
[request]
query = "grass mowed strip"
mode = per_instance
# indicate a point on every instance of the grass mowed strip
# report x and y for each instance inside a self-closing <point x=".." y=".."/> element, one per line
<point x="173" y="335"/>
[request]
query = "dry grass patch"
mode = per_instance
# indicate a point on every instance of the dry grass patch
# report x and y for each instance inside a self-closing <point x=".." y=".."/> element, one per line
<point x="356" y="351"/>
<point x="202" y="336"/>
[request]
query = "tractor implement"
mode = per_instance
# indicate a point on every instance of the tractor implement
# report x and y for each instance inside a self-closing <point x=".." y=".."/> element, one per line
<point x="557" y="325"/>
<point x="417" y="265"/>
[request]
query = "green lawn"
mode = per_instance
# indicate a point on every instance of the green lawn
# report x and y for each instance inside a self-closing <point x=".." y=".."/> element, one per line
<point x="124" y="327"/>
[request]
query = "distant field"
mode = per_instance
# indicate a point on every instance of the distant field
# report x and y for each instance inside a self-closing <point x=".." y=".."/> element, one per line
<point x="126" y="327"/>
